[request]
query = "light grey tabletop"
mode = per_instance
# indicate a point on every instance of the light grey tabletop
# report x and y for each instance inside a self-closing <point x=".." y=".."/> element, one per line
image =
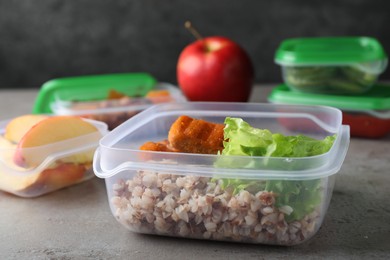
<point x="76" y="223"/>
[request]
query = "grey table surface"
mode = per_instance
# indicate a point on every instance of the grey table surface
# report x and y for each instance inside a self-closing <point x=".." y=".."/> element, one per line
<point x="76" y="223"/>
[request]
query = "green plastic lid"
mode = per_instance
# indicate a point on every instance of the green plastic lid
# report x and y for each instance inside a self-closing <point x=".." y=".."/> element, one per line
<point x="378" y="98"/>
<point x="92" y="87"/>
<point x="329" y="50"/>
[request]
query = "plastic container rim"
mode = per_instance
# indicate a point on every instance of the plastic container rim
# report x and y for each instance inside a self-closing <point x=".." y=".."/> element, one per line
<point x="59" y="108"/>
<point x="107" y="142"/>
<point x="324" y="50"/>
<point x="337" y="154"/>
<point x="83" y="144"/>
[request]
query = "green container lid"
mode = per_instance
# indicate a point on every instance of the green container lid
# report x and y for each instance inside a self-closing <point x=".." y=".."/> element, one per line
<point x="92" y="87"/>
<point x="378" y="98"/>
<point x="329" y="50"/>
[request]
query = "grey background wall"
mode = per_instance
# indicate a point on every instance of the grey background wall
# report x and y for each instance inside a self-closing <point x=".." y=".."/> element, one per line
<point x="45" y="39"/>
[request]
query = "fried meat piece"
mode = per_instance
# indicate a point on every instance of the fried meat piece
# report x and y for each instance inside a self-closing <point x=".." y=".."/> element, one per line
<point x="191" y="135"/>
<point x="162" y="146"/>
<point x="113" y="94"/>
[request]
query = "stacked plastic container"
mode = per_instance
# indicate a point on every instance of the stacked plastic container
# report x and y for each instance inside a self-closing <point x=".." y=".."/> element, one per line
<point x="341" y="72"/>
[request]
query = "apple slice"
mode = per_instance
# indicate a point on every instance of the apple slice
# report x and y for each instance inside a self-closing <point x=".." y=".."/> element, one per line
<point x="61" y="176"/>
<point x="17" y="127"/>
<point x="7" y="151"/>
<point x="5" y="143"/>
<point x="14" y="183"/>
<point x="50" y="131"/>
<point x="50" y="179"/>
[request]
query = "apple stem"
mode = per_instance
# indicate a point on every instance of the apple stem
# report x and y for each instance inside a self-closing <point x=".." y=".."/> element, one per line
<point x="195" y="33"/>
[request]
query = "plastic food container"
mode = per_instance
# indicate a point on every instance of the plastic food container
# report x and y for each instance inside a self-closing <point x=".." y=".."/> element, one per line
<point x="334" y="65"/>
<point x="62" y="164"/>
<point x="368" y="115"/>
<point x="111" y="98"/>
<point x="180" y="194"/>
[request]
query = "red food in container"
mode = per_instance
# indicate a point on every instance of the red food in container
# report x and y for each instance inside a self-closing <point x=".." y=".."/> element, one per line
<point x="364" y="124"/>
<point x="368" y="115"/>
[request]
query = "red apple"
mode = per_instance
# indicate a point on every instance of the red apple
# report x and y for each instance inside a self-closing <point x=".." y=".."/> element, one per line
<point x="215" y="69"/>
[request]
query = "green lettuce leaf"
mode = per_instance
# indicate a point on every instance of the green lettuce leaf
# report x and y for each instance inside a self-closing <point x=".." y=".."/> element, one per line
<point x="243" y="139"/>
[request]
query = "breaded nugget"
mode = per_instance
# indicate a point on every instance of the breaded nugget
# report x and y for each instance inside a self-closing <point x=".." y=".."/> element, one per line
<point x="191" y="135"/>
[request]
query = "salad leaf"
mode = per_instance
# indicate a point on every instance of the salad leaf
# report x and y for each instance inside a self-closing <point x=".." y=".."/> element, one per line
<point x="243" y="139"/>
<point x="329" y="79"/>
<point x="301" y="196"/>
<point x="236" y="185"/>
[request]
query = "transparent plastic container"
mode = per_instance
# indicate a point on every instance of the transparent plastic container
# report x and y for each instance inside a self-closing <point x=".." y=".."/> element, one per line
<point x="368" y="114"/>
<point x="110" y="98"/>
<point x="62" y="164"/>
<point x="332" y="65"/>
<point x="115" y="111"/>
<point x="181" y="194"/>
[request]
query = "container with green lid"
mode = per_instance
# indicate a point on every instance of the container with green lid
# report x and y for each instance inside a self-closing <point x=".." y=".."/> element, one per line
<point x="110" y="98"/>
<point x="368" y="114"/>
<point x="331" y="65"/>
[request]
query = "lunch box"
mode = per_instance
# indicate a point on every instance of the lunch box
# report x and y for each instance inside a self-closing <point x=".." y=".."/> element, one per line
<point x="111" y="98"/>
<point x="368" y="114"/>
<point x="60" y="164"/>
<point x="331" y="65"/>
<point x="185" y="194"/>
